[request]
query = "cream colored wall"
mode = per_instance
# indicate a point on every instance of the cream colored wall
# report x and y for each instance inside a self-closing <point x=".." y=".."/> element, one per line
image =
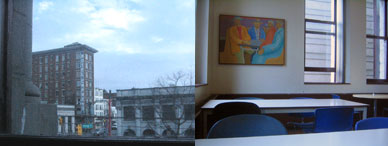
<point x="288" y="78"/>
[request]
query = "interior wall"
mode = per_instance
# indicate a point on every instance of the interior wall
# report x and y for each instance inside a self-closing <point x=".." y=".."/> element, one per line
<point x="288" y="78"/>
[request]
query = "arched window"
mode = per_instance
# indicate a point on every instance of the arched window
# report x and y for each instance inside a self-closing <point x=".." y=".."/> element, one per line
<point x="148" y="133"/>
<point x="130" y="133"/>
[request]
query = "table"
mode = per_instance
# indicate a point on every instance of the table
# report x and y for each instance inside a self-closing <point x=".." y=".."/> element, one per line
<point x="374" y="97"/>
<point x="376" y="137"/>
<point x="276" y="106"/>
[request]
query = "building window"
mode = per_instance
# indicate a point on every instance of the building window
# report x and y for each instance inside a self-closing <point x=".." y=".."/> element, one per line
<point x="46" y="59"/>
<point x="148" y="113"/>
<point x="56" y="58"/>
<point x="376" y="41"/>
<point x="189" y="112"/>
<point x="168" y="112"/>
<point x="129" y="113"/>
<point x="323" y="41"/>
<point x="40" y="60"/>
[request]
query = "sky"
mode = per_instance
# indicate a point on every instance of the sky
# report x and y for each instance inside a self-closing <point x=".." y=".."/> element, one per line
<point x="138" y="40"/>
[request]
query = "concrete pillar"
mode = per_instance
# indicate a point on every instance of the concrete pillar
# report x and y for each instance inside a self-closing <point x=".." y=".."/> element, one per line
<point x="72" y="124"/>
<point x="138" y="121"/>
<point x="66" y="125"/>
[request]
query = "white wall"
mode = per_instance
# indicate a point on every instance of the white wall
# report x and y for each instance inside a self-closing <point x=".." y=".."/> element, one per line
<point x="290" y="77"/>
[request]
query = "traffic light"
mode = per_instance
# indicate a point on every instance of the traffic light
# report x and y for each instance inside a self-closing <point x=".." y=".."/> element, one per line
<point x="79" y="129"/>
<point x="60" y="120"/>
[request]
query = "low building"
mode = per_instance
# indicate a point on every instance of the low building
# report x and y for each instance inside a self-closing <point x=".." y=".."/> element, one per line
<point x="156" y="112"/>
<point x="66" y="119"/>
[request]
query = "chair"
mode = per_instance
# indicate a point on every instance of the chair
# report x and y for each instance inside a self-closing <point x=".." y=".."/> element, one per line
<point x="333" y="119"/>
<point x="227" y="109"/>
<point x="306" y="127"/>
<point x="372" y="123"/>
<point x="246" y="125"/>
<point x="385" y="109"/>
<point x="249" y="98"/>
<point x="335" y="96"/>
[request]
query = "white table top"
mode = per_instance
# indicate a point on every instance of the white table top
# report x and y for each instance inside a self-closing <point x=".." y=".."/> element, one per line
<point x="371" y="96"/>
<point x="377" y="137"/>
<point x="290" y="103"/>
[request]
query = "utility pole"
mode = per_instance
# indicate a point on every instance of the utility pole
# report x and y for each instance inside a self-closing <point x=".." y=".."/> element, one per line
<point x="109" y="114"/>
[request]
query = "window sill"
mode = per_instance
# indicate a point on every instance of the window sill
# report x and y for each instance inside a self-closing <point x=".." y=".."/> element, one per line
<point x="200" y="85"/>
<point x="95" y="141"/>
<point x="376" y="81"/>
<point x="323" y="83"/>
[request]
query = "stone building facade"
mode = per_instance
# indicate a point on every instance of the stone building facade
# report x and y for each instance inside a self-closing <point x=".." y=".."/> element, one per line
<point x="165" y="112"/>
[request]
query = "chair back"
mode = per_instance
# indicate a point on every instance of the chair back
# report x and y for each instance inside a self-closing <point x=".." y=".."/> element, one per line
<point x="302" y="115"/>
<point x="335" y="96"/>
<point x="372" y="123"/>
<point x="246" y="125"/>
<point x="333" y="119"/>
<point x="227" y="109"/>
<point x="249" y="98"/>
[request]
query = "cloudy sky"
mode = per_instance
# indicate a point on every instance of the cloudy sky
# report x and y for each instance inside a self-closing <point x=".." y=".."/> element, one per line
<point x="138" y="40"/>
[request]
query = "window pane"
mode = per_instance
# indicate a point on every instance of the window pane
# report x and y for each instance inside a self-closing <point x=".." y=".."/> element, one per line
<point x="376" y="61"/>
<point x="320" y="50"/>
<point x="320" y="10"/>
<point x="319" y="77"/>
<point x="321" y="27"/>
<point x="375" y="17"/>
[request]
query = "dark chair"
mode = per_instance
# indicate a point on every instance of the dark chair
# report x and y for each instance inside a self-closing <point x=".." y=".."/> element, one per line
<point x="372" y="123"/>
<point x="249" y="98"/>
<point x="333" y="119"/>
<point x="246" y="125"/>
<point x="359" y="113"/>
<point x="234" y="108"/>
<point x="306" y="127"/>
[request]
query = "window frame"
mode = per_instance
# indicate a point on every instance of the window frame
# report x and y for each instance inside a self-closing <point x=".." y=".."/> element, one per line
<point x="335" y="34"/>
<point x="378" y="37"/>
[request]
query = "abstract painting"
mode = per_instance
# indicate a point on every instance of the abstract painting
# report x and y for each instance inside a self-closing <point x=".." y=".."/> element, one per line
<point x="251" y="40"/>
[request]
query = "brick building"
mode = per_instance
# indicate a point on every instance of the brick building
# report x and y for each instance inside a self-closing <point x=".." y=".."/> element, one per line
<point x="65" y="76"/>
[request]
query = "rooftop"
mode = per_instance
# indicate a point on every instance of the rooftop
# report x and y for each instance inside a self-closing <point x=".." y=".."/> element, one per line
<point x="73" y="46"/>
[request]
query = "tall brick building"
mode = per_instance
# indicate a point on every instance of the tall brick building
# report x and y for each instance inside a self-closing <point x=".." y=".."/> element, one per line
<point x="66" y="76"/>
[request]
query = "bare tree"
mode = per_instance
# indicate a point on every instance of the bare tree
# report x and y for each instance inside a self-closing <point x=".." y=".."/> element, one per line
<point x="174" y="91"/>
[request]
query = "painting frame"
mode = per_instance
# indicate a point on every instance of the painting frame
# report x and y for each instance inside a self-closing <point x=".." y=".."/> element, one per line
<point x="247" y="40"/>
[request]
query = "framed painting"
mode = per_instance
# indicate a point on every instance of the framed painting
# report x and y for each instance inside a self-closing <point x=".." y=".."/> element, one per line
<point x="251" y="40"/>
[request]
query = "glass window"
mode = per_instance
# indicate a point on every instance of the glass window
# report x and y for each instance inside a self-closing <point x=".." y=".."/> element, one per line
<point x="323" y="47"/>
<point x="376" y="41"/>
<point x="129" y="113"/>
<point x="189" y="112"/>
<point x="130" y="53"/>
<point x="148" y="113"/>
<point x="168" y="112"/>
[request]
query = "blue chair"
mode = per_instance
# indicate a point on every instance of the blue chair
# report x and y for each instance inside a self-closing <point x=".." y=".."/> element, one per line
<point x="306" y="127"/>
<point x="246" y="125"/>
<point x="335" y="96"/>
<point x="372" y="123"/>
<point x="333" y="119"/>
<point x="249" y="98"/>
